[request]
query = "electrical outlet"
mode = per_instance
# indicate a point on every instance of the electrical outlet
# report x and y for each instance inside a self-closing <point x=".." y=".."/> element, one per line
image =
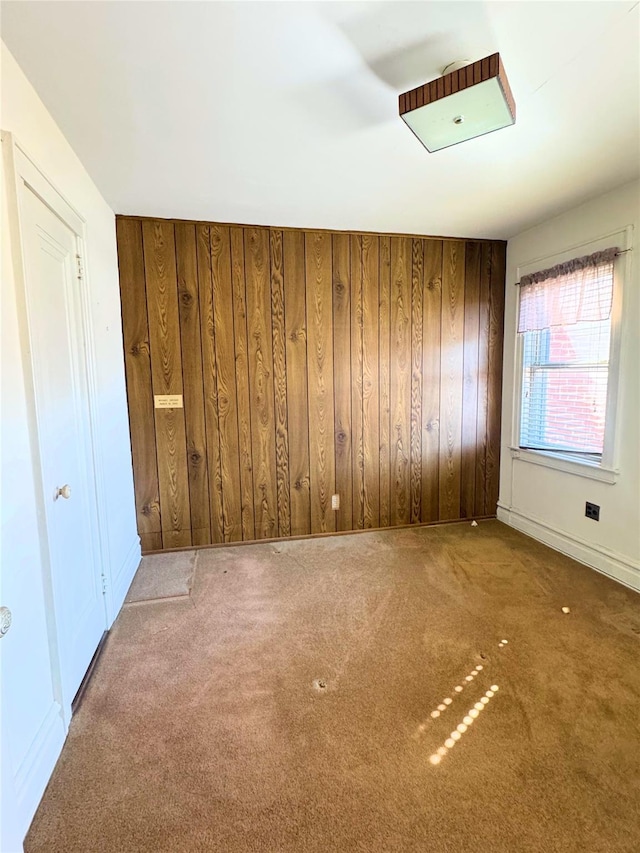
<point x="335" y="501"/>
<point x="592" y="511"/>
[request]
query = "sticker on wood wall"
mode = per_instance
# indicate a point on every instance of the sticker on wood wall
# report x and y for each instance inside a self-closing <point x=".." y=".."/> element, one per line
<point x="167" y="401"/>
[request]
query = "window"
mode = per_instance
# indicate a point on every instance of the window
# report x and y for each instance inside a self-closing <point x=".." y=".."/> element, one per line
<point x="565" y="332"/>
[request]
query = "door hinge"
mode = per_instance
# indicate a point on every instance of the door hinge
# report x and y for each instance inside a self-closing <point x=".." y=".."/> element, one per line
<point x="104" y="584"/>
<point x="80" y="267"/>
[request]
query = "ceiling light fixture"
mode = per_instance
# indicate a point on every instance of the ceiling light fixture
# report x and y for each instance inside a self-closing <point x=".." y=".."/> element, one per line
<point x="468" y="101"/>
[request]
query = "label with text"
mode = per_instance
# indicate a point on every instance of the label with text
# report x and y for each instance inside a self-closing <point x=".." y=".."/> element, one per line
<point x="167" y="401"/>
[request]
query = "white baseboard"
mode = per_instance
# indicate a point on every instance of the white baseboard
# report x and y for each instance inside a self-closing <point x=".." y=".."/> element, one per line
<point x="35" y="771"/>
<point x="615" y="565"/>
<point x="121" y="581"/>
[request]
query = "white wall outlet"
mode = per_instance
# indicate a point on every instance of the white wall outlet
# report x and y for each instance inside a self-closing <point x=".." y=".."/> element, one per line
<point x="335" y="501"/>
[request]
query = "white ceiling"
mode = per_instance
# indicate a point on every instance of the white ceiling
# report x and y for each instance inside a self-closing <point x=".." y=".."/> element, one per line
<point x="286" y="113"/>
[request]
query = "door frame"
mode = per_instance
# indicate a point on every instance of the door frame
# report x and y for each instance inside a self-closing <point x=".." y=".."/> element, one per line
<point x="23" y="175"/>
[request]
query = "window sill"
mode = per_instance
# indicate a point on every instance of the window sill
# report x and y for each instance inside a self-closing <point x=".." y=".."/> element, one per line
<point x="581" y="468"/>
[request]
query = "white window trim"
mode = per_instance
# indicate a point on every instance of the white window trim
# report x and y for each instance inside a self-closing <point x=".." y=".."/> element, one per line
<point x="607" y="469"/>
<point x="581" y="467"/>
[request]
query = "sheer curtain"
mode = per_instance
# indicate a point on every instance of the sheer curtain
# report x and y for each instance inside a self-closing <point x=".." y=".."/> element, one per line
<point x="565" y="322"/>
<point x="580" y="290"/>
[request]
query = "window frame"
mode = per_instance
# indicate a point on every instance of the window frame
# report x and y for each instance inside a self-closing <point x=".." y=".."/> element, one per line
<point x="605" y="469"/>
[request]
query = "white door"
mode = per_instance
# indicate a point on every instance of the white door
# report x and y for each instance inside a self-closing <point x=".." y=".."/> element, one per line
<point x="50" y="568"/>
<point x="63" y="425"/>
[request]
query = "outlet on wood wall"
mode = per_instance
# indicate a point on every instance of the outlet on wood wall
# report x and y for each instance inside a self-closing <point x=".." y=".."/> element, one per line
<point x="310" y="363"/>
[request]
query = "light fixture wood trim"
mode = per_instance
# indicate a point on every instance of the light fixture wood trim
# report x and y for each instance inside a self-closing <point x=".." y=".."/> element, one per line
<point x="456" y="81"/>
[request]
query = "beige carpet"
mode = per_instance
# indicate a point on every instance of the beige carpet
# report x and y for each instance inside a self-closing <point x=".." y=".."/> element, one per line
<point x="294" y="702"/>
<point x="162" y="576"/>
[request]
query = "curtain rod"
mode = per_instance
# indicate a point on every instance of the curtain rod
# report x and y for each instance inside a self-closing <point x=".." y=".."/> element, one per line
<point x="621" y="252"/>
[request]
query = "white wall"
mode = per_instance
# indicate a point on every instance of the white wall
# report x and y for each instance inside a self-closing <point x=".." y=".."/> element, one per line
<point x="33" y="721"/>
<point x="25" y="116"/>
<point x="550" y="504"/>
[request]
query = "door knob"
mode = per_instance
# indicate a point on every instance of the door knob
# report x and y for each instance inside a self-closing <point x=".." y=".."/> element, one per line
<point x="5" y="620"/>
<point x="63" y="492"/>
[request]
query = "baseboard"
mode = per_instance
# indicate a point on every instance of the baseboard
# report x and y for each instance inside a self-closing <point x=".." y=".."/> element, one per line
<point x="77" y="699"/>
<point x="35" y="771"/>
<point x="121" y="581"/>
<point x="328" y="535"/>
<point x="608" y="562"/>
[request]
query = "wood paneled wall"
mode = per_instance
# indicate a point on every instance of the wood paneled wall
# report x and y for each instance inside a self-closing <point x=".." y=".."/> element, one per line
<point x="310" y="363"/>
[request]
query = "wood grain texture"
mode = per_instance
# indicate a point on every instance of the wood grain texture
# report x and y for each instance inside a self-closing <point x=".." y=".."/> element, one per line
<point x="280" y="383"/>
<point x="357" y="447"/>
<point x="311" y="363"/>
<point x="385" y="376"/>
<point x="473" y="261"/>
<point x="417" y="283"/>
<point x="320" y="365"/>
<point x="400" y="349"/>
<point x="158" y="240"/>
<point x="236" y="239"/>
<point x="431" y="370"/>
<point x="193" y="383"/>
<point x="225" y="357"/>
<point x="494" y="377"/>
<point x="297" y="383"/>
<point x="150" y="542"/>
<point x="477" y="72"/>
<point x="483" y="376"/>
<point x="258" y="283"/>
<point x="451" y="384"/>
<point x="342" y="378"/>
<point x="210" y="381"/>
<point x="293" y="229"/>
<point x="137" y="360"/>
<point x="370" y="380"/>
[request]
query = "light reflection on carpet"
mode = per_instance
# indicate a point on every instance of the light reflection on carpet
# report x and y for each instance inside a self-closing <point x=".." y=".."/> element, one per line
<point x="463" y="726"/>
<point x="468" y="719"/>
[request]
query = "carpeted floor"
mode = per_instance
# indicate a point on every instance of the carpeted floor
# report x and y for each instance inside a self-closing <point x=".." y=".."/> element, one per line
<point x="296" y="700"/>
<point x="163" y="576"/>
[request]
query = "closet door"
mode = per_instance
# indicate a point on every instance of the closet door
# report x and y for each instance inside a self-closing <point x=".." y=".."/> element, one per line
<point x="51" y="580"/>
<point x="53" y="279"/>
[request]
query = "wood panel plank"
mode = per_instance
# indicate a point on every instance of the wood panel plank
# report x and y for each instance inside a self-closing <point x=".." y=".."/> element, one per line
<point x="193" y="383"/>
<point x="484" y="296"/>
<point x="137" y="359"/>
<point x="318" y="268"/>
<point x="297" y="403"/>
<point x="452" y="339"/>
<point x="473" y="260"/>
<point x="370" y="379"/>
<point x="258" y="282"/>
<point x="401" y="270"/>
<point x="357" y="447"/>
<point x="236" y="239"/>
<point x="431" y="354"/>
<point x="280" y="383"/>
<point x="150" y="542"/>
<point x="385" y="380"/>
<point x="210" y="381"/>
<point x="417" y="283"/>
<point x="341" y="252"/>
<point x="166" y="374"/>
<point x="496" y="323"/>
<point x="224" y="338"/>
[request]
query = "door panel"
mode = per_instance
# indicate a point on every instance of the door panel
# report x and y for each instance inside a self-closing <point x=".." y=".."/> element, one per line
<point x="32" y="728"/>
<point x="63" y="430"/>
